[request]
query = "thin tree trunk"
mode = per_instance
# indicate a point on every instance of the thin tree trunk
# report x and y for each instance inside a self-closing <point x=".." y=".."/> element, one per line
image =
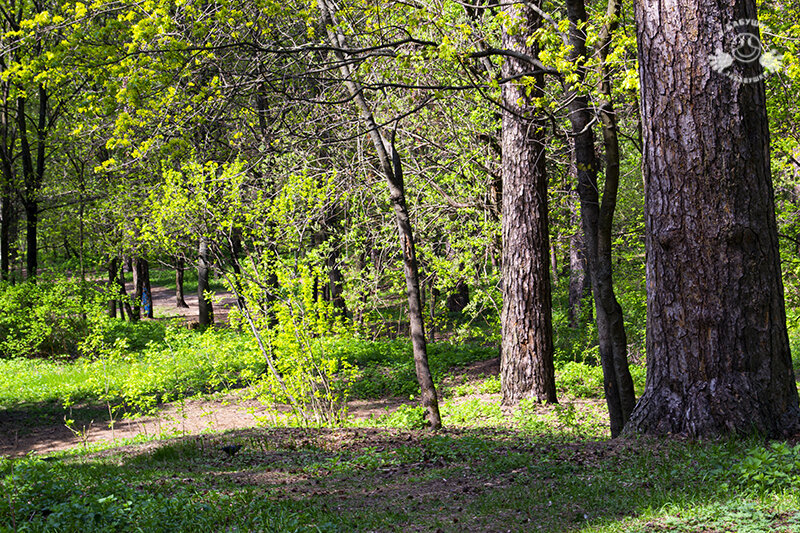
<point x="180" y="269"/>
<point x="718" y="358"/>
<point x="393" y="173"/>
<point x="113" y="269"/>
<point x="124" y="301"/>
<point x="143" y="268"/>
<point x="526" y="363"/>
<point x="596" y="222"/>
<point x="578" y="282"/>
<point x="6" y="210"/>
<point x="33" y="173"/>
<point x="608" y="205"/>
<point x="206" y="308"/>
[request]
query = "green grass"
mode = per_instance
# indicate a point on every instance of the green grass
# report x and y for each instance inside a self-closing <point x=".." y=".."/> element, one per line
<point x="147" y="363"/>
<point x="487" y="479"/>
<point x="535" y="468"/>
<point x="183" y="363"/>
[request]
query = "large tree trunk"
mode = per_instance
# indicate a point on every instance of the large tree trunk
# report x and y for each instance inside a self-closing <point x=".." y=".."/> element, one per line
<point x="526" y="364"/>
<point x="596" y="220"/>
<point x="717" y="349"/>
<point x="206" y="308"/>
<point x="393" y="173"/>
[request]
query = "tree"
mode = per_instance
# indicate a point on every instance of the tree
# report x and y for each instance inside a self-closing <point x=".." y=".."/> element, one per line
<point x="717" y="348"/>
<point x="596" y="219"/>
<point x="526" y="363"/>
<point x="392" y="171"/>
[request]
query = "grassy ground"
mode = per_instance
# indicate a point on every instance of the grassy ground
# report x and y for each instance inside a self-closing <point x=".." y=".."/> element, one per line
<point x="533" y="468"/>
<point x="390" y="479"/>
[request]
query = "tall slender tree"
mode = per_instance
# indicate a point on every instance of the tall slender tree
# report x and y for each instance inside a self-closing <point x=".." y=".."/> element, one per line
<point x="526" y="363"/>
<point x="392" y="170"/>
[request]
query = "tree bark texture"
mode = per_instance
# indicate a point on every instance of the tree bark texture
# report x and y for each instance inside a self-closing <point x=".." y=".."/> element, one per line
<point x="718" y="357"/>
<point x="596" y="220"/>
<point x="392" y="171"/>
<point x="206" y="309"/>
<point x="526" y="364"/>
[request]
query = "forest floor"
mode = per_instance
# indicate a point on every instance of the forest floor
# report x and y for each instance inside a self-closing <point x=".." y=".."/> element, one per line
<point x="210" y="464"/>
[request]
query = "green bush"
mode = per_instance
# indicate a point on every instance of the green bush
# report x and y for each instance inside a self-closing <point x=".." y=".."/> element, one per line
<point x="45" y="318"/>
<point x="185" y="363"/>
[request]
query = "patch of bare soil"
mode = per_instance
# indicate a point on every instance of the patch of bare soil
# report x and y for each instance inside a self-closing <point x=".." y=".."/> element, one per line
<point x="23" y="432"/>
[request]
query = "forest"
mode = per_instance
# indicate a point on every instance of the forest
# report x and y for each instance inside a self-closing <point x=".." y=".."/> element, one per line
<point x="399" y="265"/>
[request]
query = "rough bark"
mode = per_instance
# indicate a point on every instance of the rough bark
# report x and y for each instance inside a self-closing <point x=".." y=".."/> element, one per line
<point x="596" y="223"/>
<point x="717" y="347"/>
<point x="526" y="364"/>
<point x="206" y="309"/>
<point x="392" y="171"/>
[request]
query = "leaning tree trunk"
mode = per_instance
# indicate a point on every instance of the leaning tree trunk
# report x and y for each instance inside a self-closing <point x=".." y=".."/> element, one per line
<point x="206" y="308"/>
<point x="393" y="173"/>
<point x="717" y="349"/>
<point x="526" y="363"/>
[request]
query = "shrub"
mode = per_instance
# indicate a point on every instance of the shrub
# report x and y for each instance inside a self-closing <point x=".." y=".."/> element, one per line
<point x="45" y="318"/>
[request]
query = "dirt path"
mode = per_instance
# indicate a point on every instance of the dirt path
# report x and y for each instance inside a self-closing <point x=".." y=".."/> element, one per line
<point x="44" y="431"/>
<point x="164" y="304"/>
<point x="23" y="432"/>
